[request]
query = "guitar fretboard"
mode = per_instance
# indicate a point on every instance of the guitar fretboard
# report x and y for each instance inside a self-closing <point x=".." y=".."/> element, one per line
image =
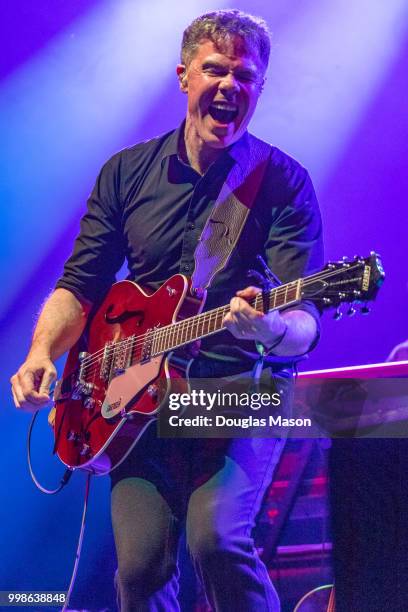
<point x="352" y="282"/>
<point x="183" y="332"/>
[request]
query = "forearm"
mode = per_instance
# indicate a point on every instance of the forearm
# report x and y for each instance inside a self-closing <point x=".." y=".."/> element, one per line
<point x="299" y="330"/>
<point x="59" y="325"/>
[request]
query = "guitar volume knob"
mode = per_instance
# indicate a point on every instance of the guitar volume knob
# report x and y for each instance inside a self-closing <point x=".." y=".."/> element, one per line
<point x="89" y="403"/>
<point x="152" y="390"/>
<point x="72" y="436"/>
<point x="85" y="450"/>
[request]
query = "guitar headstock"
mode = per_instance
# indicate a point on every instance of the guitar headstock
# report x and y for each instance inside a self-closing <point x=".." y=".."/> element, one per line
<point x="353" y="282"/>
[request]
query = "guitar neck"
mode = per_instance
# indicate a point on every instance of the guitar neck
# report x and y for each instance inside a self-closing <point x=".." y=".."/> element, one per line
<point x="194" y="328"/>
<point x="353" y="282"/>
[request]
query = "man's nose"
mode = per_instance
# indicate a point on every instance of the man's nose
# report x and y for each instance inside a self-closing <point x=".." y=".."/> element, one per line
<point x="229" y="84"/>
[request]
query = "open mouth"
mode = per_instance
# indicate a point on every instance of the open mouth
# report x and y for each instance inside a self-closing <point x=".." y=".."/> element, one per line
<point x="224" y="112"/>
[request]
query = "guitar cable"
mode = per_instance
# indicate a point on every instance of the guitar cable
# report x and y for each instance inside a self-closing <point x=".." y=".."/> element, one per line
<point x="64" y="481"/>
<point x="79" y="546"/>
<point x="66" y="476"/>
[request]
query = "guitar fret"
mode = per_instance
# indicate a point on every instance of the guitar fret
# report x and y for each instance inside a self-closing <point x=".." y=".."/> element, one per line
<point x="163" y="340"/>
<point x="193" y="329"/>
<point x="258" y="304"/>
<point x="184" y="332"/>
<point x="181" y="337"/>
<point x="190" y="329"/>
<point x="180" y="334"/>
<point x="172" y="335"/>
<point x="221" y="314"/>
<point x="213" y="320"/>
<point x="169" y="337"/>
<point x="158" y="341"/>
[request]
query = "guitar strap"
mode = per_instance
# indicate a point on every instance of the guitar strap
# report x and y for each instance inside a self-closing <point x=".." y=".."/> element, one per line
<point x="230" y="212"/>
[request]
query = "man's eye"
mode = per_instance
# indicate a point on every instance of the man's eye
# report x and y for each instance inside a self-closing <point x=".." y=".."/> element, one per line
<point x="246" y="77"/>
<point x="215" y="71"/>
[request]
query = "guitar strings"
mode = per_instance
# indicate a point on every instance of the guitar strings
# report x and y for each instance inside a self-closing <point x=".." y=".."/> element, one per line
<point x="159" y="335"/>
<point x="175" y="328"/>
<point x="182" y="326"/>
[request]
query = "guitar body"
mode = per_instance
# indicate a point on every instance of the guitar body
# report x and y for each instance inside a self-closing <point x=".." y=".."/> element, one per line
<point x="139" y="346"/>
<point x="104" y="401"/>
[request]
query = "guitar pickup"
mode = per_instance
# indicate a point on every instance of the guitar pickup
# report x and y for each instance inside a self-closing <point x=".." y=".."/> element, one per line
<point x="116" y="358"/>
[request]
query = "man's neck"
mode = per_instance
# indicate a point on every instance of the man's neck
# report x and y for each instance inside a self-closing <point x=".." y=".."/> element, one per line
<point x="194" y="151"/>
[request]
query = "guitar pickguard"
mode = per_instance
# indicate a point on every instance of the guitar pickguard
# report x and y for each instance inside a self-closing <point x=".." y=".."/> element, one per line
<point x="125" y="388"/>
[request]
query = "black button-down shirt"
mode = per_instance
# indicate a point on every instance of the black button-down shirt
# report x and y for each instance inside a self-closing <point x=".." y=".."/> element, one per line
<point x="150" y="207"/>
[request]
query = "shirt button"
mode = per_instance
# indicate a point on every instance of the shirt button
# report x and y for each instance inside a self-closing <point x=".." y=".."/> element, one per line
<point x="190" y="226"/>
<point x="186" y="267"/>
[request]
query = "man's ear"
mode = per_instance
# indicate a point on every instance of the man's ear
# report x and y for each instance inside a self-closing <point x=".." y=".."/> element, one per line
<point x="181" y="71"/>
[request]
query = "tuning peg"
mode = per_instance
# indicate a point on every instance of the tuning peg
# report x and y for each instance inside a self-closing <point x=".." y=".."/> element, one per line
<point x="351" y="311"/>
<point x="365" y="310"/>
<point x="337" y="315"/>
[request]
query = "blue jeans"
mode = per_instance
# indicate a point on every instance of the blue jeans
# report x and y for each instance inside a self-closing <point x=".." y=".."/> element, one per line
<point x="213" y="488"/>
<point x="219" y="517"/>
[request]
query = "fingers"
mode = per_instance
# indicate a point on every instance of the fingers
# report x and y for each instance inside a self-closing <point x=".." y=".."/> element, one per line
<point x="17" y="402"/>
<point x="249" y="292"/>
<point x="243" y="320"/>
<point x="48" y="378"/>
<point x="244" y="313"/>
<point x="20" y="400"/>
<point x="31" y="385"/>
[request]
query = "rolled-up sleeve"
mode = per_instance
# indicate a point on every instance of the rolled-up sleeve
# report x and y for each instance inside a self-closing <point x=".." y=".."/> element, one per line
<point x="98" y="250"/>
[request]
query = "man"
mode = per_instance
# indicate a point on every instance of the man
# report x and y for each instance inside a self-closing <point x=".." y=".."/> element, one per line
<point x="149" y="205"/>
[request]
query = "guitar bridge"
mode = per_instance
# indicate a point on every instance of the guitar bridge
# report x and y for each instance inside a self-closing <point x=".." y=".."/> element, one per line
<point x="80" y="387"/>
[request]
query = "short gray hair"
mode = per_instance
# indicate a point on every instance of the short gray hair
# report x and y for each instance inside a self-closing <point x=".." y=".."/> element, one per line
<point x="220" y="26"/>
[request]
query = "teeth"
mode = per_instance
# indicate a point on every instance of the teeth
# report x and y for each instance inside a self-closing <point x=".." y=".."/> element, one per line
<point x="224" y="106"/>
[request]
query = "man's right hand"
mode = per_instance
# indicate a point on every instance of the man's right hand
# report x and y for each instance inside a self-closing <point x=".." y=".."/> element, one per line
<point x="30" y="385"/>
<point x="60" y="324"/>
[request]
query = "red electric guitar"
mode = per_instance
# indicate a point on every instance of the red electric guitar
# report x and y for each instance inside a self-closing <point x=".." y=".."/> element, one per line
<point x="118" y="374"/>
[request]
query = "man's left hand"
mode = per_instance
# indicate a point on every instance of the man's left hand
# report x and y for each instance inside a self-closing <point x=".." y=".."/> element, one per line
<point x="246" y="323"/>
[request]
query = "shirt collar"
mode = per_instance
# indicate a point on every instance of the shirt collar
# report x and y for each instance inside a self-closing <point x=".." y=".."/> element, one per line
<point x="171" y="147"/>
<point x="238" y="152"/>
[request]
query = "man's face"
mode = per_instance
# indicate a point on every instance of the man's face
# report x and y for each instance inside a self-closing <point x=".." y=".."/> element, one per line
<point x="223" y="84"/>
